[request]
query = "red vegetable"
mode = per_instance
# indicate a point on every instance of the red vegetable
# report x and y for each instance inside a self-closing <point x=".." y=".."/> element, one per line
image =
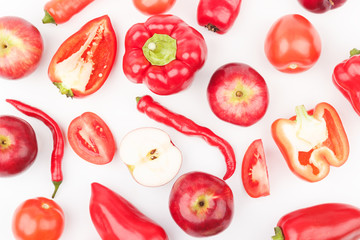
<point x="154" y="6"/>
<point x="58" y="139"/>
<point x="312" y="142"/>
<point x="91" y="138"/>
<point x="331" y="221"/>
<point x="60" y="11"/>
<point x="116" y="218"/>
<point x="292" y="44"/>
<point x="163" y="53"/>
<point x="38" y="218"/>
<point x="346" y="77"/>
<point x="254" y="172"/>
<point x="83" y="62"/>
<point x="218" y="16"/>
<point x="154" y="110"/>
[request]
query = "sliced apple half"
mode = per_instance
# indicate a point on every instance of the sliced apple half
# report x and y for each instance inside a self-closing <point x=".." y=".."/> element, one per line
<point x="150" y="155"/>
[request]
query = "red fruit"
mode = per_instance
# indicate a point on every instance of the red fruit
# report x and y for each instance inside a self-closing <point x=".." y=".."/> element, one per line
<point x="18" y="145"/>
<point x="238" y="94"/>
<point x="321" y="6"/>
<point x="21" y="47"/>
<point x="201" y="204"/>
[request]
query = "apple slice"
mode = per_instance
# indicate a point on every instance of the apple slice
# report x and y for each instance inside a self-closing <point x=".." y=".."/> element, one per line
<point x="151" y="157"/>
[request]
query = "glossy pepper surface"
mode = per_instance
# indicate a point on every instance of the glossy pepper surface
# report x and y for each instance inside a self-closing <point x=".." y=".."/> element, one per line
<point x="346" y="77"/>
<point x="163" y="53"/>
<point x="156" y="111"/>
<point x="218" y="16"/>
<point x="312" y="141"/>
<point x="329" y="221"/>
<point x="60" y="11"/>
<point x="116" y="218"/>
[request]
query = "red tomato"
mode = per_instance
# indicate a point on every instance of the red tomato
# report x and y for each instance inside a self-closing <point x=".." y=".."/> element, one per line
<point x="152" y="7"/>
<point x="38" y="219"/>
<point x="292" y="44"/>
<point x="254" y="172"/>
<point x="91" y="138"/>
<point x="84" y="61"/>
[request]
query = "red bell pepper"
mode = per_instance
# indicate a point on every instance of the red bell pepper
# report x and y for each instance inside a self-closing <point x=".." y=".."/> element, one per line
<point x="346" y="77"/>
<point x="312" y="142"/>
<point x="163" y="53"/>
<point x="83" y="62"/>
<point x="330" y="221"/>
<point x="218" y="16"/>
<point x="116" y="218"/>
<point x="60" y="11"/>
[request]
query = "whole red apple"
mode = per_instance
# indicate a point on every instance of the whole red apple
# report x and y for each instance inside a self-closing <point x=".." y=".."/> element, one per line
<point x="321" y="6"/>
<point x="21" y="47"/>
<point x="238" y="94"/>
<point x="201" y="204"/>
<point x="18" y="145"/>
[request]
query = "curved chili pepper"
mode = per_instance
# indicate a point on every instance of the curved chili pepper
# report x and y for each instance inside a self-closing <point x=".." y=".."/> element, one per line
<point x="218" y="16"/>
<point x="154" y="110"/>
<point x="346" y="77"/>
<point x="58" y="139"/>
<point x="328" y="221"/>
<point x="60" y="11"/>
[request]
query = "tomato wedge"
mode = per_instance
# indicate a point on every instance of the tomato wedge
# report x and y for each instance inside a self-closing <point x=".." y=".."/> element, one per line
<point x="83" y="62"/>
<point x="91" y="139"/>
<point x="254" y="172"/>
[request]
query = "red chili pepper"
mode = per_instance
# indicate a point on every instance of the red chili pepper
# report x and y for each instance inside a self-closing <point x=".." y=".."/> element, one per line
<point x="218" y="16"/>
<point x="163" y="53"/>
<point x="58" y="139"/>
<point x="60" y="11"/>
<point x="154" y="110"/>
<point x="116" y="218"/>
<point x="346" y="77"/>
<point x="330" y="221"/>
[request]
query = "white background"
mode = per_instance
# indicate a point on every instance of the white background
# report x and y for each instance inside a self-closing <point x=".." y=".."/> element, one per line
<point x="115" y="102"/>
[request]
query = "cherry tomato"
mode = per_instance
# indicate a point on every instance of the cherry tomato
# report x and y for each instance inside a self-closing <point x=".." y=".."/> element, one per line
<point x="254" y="172"/>
<point x="38" y="219"/>
<point x="152" y="7"/>
<point x="91" y="138"/>
<point x="292" y="44"/>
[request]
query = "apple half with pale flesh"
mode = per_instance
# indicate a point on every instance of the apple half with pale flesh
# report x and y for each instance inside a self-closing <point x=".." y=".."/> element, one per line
<point x="150" y="155"/>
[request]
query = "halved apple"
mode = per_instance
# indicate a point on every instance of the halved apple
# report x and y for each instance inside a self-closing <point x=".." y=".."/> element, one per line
<point x="150" y="155"/>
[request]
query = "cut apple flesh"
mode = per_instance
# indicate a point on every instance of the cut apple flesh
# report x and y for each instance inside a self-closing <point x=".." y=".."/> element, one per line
<point x="151" y="157"/>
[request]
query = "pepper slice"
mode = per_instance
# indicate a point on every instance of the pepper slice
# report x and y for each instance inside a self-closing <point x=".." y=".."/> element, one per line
<point x="83" y="62"/>
<point x="312" y="142"/>
<point x="154" y="110"/>
<point x="346" y="77"/>
<point x="327" y="221"/>
<point x="163" y="53"/>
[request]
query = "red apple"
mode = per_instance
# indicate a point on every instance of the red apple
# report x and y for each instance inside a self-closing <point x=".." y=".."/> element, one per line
<point x="18" y="145"/>
<point x="201" y="204"/>
<point x="238" y="94"/>
<point x="321" y="6"/>
<point x="21" y="47"/>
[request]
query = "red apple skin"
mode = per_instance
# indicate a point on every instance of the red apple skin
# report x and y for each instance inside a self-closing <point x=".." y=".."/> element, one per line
<point x="321" y="6"/>
<point x="18" y="145"/>
<point x="238" y="94"/>
<point x="21" y="47"/>
<point x="201" y="204"/>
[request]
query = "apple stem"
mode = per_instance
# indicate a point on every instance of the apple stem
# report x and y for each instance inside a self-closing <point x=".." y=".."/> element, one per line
<point x="331" y="2"/>
<point x="278" y="234"/>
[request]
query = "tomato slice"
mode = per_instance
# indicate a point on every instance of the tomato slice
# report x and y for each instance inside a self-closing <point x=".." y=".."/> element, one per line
<point x="83" y="62"/>
<point x="254" y="172"/>
<point x="38" y="218"/>
<point x="91" y="139"/>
